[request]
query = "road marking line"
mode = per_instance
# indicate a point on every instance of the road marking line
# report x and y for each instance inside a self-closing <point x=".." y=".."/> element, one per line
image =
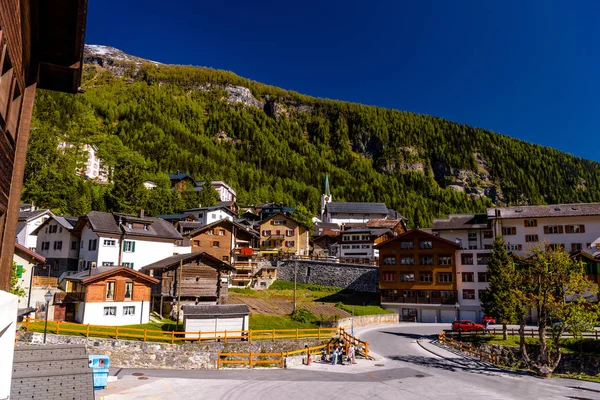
<point x="167" y="386"/>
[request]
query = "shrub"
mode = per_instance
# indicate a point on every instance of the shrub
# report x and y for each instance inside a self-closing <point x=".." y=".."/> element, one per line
<point x="303" y="316"/>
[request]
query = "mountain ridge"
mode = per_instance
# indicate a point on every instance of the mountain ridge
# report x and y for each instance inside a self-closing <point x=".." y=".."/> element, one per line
<point x="273" y="144"/>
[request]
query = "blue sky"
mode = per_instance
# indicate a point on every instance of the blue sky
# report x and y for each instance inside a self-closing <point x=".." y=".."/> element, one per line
<point x="527" y="69"/>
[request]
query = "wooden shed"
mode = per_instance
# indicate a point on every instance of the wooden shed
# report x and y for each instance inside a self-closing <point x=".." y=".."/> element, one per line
<point x="190" y="279"/>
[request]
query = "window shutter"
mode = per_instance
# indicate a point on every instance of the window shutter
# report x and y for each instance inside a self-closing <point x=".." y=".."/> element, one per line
<point x="19" y="271"/>
<point x="525" y="223"/>
<point x="131" y="265"/>
<point x="133" y="247"/>
<point x="545" y="230"/>
<point x="124" y="245"/>
<point x="582" y="228"/>
<point x="560" y="229"/>
<point x="272" y="222"/>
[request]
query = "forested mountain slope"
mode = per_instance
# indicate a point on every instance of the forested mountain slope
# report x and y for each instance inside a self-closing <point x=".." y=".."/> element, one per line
<point x="149" y="119"/>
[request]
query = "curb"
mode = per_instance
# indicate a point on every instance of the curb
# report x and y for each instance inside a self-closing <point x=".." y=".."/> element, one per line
<point x="490" y="366"/>
<point x="439" y="355"/>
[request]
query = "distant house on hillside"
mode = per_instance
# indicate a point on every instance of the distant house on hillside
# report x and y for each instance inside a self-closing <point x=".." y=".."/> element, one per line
<point x="208" y="215"/>
<point x="281" y="234"/>
<point x="182" y="181"/>
<point x="353" y="212"/>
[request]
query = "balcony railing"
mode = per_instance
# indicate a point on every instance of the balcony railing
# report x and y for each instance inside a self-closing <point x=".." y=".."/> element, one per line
<point x="419" y="300"/>
<point x="277" y="236"/>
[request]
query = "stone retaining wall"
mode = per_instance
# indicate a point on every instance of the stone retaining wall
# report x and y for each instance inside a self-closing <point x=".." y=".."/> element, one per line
<point x="365" y="320"/>
<point x="136" y="354"/>
<point x="569" y="362"/>
<point x="362" y="278"/>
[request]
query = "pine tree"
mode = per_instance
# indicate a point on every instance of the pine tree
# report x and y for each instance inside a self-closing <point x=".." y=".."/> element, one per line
<point x="498" y="300"/>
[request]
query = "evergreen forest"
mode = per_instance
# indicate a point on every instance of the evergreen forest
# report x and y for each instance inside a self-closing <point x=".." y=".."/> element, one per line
<point x="274" y="145"/>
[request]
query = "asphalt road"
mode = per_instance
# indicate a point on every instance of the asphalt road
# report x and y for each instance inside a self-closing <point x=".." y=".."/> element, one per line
<point x="404" y="370"/>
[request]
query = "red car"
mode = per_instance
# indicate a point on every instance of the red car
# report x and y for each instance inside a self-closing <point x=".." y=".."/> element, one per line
<point x="491" y="320"/>
<point x="463" y="325"/>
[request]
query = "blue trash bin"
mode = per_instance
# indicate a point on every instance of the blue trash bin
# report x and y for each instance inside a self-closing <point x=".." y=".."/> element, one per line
<point x="99" y="365"/>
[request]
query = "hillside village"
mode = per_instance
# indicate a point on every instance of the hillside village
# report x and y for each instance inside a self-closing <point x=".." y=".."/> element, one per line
<point x="121" y="267"/>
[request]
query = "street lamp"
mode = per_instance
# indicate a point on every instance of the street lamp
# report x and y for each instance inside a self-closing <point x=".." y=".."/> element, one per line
<point x="352" y="321"/>
<point x="48" y="298"/>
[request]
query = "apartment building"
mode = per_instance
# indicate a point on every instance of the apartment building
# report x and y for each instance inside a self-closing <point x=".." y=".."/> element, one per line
<point x="94" y="167"/>
<point x="282" y="234"/>
<point x="474" y="234"/>
<point x="360" y="243"/>
<point x="571" y="226"/>
<point x="417" y="277"/>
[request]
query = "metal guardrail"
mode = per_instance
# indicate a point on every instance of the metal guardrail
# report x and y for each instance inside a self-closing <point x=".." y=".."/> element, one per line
<point x="467" y="348"/>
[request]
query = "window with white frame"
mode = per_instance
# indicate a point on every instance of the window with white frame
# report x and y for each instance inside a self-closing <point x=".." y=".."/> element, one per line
<point x="110" y="290"/>
<point x="408" y="260"/>
<point x="129" y="310"/>
<point x="110" y="311"/>
<point x="290" y="232"/>
<point x="406" y="245"/>
<point x="107" y="263"/>
<point x="389" y="260"/>
<point x="109" y="242"/>
<point x="127" y="264"/>
<point x="407" y="277"/>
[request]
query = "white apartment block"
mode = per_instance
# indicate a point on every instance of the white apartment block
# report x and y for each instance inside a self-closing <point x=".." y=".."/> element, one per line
<point x="572" y="226"/>
<point x="226" y="192"/>
<point x="93" y="168"/>
<point x="475" y="235"/>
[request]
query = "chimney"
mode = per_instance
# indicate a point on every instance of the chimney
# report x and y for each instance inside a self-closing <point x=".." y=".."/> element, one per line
<point x="142" y="213"/>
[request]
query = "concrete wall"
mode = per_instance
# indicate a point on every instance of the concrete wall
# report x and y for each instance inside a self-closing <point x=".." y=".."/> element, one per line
<point x="362" y="278"/>
<point x="135" y="354"/>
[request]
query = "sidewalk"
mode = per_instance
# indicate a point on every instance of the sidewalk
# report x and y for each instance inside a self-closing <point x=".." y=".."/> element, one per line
<point x="361" y="366"/>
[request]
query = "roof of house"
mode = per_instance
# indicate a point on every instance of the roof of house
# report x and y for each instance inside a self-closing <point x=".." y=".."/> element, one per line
<point x="545" y="211"/>
<point x="212" y="208"/>
<point x="108" y="223"/>
<point x="377" y="232"/>
<point x="219" y="309"/>
<point x="174" y="261"/>
<point x="331" y="226"/>
<point x="175" y="217"/>
<point x="356" y="208"/>
<point x="412" y="231"/>
<point x="180" y="176"/>
<point x="190" y="224"/>
<point x="99" y="273"/>
<point x="383" y="223"/>
<point x="66" y="222"/>
<point x="461" y="221"/>
<point x="270" y="217"/>
<point x="393" y="214"/>
<point x="30" y="253"/>
<point x="30" y="215"/>
<point x="222" y="221"/>
<point x="225" y="203"/>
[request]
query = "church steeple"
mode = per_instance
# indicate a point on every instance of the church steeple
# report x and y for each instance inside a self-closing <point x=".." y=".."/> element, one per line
<point x="326" y="197"/>
<point x="327" y="191"/>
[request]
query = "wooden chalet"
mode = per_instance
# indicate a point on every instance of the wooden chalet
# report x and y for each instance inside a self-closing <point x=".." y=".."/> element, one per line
<point x="193" y="278"/>
<point x="41" y="47"/>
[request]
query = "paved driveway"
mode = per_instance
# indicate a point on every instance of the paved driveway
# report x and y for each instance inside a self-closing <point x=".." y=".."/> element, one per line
<point x="405" y="370"/>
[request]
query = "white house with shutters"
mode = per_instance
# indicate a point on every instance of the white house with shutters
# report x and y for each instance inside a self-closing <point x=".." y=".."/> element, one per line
<point x="57" y="242"/>
<point x="28" y="222"/>
<point x="124" y="240"/>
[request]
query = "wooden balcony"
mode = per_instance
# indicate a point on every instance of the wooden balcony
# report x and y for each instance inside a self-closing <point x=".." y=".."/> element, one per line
<point x="419" y="300"/>
<point x="42" y="281"/>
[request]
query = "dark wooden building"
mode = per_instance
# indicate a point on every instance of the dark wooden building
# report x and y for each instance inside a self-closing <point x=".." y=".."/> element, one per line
<point x="196" y="278"/>
<point x="41" y="47"/>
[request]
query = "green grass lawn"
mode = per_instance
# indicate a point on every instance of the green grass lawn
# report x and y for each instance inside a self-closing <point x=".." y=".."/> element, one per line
<point x="363" y="310"/>
<point x="365" y="303"/>
<point x="260" y="321"/>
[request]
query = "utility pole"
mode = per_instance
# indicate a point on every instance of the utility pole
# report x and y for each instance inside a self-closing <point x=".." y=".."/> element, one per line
<point x="295" y="277"/>
<point x="179" y="294"/>
<point x="352" y="321"/>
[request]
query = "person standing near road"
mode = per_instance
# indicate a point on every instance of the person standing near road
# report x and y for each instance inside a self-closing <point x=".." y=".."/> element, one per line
<point x="487" y="326"/>
<point x="334" y="355"/>
<point x="351" y="358"/>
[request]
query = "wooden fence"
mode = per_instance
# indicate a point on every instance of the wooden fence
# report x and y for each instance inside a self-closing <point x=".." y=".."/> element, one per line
<point x="121" y="332"/>
<point x="44" y="281"/>
<point x="531" y="332"/>
<point x="467" y="348"/>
